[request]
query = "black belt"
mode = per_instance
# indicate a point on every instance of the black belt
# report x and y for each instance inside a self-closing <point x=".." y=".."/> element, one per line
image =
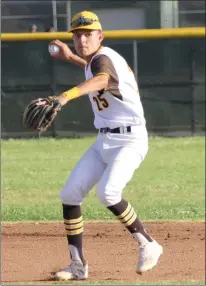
<point x="121" y="130"/>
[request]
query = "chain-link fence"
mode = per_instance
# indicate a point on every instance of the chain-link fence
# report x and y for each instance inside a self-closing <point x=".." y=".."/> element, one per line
<point x="170" y="72"/>
<point x="171" y="77"/>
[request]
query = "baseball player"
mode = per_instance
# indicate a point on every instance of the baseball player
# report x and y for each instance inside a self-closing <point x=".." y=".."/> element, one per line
<point x="120" y="147"/>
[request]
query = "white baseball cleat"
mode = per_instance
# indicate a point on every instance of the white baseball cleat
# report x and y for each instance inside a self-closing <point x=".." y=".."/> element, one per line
<point x="75" y="271"/>
<point x="148" y="256"/>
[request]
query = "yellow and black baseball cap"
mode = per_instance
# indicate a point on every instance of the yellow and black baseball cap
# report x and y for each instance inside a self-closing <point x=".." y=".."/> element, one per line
<point x="85" y="20"/>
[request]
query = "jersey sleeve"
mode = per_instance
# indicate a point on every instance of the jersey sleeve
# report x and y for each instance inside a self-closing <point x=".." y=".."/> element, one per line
<point x="103" y="65"/>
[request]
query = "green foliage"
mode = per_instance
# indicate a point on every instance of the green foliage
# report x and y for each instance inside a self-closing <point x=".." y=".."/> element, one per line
<point x="170" y="183"/>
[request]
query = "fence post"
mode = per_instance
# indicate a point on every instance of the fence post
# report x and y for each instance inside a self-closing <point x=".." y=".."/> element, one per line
<point x="135" y="58"/>
<point x="192" y="80"/>
<point x="68" y="14"/>
<point x="53" y="79"/>
<point x="54" y="14"/>
<point x="54" y="90"/>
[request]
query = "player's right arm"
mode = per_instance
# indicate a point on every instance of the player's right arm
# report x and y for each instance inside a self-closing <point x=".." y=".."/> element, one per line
<point x="66" y="54"/>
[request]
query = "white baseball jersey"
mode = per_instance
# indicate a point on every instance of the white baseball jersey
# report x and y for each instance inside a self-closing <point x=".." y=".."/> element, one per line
<point x="120" y="104"/>
<point x="111" y="161"/>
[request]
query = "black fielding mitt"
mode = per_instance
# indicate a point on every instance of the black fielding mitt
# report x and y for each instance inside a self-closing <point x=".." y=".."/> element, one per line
<point x="40" y="113"/>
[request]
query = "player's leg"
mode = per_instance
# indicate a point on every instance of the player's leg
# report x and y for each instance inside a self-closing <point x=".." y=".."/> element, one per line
<point x="83" y="177"/>
<point x="118" y="172"/>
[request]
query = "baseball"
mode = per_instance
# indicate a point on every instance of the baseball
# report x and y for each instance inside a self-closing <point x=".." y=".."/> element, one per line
<point x="53" y="49"/>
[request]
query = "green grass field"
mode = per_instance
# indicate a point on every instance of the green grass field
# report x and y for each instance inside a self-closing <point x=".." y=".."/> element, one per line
<point x="169" y="185"/>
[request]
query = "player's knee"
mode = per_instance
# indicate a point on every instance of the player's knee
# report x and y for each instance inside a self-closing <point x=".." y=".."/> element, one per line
<point x="108" y="197"/>
<point x="71" y="194"/>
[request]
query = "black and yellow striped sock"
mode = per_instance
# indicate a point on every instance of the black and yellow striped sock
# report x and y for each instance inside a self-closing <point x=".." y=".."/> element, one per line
<point x="127" y="216"/>
<point x="74" y="229"/>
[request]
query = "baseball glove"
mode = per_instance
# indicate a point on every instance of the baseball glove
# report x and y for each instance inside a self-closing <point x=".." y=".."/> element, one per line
<point x="40" y="113"/>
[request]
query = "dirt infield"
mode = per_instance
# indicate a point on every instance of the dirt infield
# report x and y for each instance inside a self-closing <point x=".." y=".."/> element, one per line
<point x="30" y="252"/>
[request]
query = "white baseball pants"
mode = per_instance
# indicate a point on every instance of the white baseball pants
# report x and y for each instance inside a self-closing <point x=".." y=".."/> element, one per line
<point x="110" y="163"/>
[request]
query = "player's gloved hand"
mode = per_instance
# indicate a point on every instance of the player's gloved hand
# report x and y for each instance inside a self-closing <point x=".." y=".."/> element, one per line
<point x="40" y="113"/>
